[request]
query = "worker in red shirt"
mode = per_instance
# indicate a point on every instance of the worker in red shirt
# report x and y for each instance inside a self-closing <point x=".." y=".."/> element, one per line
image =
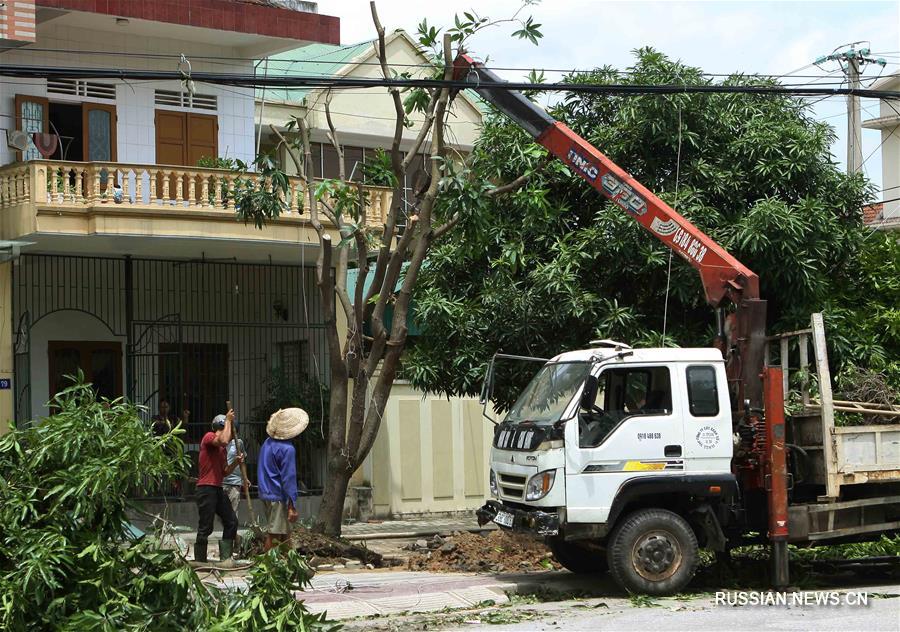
<point x="211" y="498"/>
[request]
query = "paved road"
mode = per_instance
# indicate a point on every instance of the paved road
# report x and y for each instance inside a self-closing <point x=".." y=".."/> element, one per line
<point x="700" y="612"/>
<point x="881" y="614"/>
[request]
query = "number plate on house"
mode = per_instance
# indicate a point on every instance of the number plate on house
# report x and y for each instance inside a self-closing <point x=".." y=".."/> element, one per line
<point x="504" y="519"/>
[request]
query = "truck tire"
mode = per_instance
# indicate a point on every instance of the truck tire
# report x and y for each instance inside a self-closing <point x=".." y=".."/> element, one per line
<point x="576" y="558"/>
<point x="653" y="552"/>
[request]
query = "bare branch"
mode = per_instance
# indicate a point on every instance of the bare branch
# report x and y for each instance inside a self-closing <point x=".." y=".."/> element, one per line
<point x="442" y="230"/>
<point x="510" y="186"/>
<point x="395" y="95"/>
<point x="423" y="133"/>
<point x="332" y="134"/>
<point x="292" y="152"/>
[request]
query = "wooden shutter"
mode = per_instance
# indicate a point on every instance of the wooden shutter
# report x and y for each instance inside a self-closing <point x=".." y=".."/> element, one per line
<point x="202" y="137"/>
<point x="171" y="138"/>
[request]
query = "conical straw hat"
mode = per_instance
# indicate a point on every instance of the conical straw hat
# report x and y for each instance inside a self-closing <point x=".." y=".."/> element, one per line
<point x="287" y="423"/>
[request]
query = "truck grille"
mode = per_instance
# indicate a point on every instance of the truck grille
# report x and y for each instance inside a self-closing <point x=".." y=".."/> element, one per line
<point x="512" y="485"/>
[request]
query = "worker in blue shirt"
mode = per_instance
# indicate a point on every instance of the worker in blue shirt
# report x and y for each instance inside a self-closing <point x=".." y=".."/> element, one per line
<point x="277" y="473"/>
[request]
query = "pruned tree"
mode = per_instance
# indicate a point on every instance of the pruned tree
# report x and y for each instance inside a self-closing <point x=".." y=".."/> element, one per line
<point x="363" y="367"/>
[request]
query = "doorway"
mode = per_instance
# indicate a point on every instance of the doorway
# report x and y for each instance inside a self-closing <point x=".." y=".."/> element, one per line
<point x="194" y="377"/>
<point x="99" y="361"/>
<point x="87" y="131"/>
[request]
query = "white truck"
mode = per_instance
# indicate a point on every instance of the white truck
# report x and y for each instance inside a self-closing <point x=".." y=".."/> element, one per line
<point x="631" y="460"/>
<point x="634" y="458"/>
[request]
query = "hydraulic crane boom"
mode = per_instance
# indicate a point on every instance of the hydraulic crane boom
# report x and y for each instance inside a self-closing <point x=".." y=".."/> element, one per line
<point x="722" y="275"/>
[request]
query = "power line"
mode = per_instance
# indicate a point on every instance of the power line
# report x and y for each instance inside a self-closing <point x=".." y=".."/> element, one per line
<point x="250" y="81"/>
<point x="230" y="61"/>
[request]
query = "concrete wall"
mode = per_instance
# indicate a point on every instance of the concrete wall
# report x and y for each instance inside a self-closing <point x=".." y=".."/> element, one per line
<point x="135" y="100"/>
<point x="430" y="456"/>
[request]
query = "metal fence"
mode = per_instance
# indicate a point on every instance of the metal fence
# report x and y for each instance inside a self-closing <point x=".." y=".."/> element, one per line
<point x="194" y="334"/>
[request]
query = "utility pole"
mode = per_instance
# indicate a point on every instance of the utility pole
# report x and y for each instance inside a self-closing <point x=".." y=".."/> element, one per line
<point x="852" y="62"/>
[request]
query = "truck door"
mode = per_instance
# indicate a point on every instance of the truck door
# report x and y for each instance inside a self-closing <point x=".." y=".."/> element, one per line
<point x="634" y="429"/>
<point x="706" y="411"/>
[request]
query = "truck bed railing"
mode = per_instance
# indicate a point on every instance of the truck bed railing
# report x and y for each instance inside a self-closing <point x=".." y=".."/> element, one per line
<point x="837" y="455"/>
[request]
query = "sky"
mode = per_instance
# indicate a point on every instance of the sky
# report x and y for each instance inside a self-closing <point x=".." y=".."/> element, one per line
<point x="718" y="36"/>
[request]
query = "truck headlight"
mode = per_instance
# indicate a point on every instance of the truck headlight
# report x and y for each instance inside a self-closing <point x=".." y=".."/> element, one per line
<point x="539" y="485"/>
<point x="495" y="491"/>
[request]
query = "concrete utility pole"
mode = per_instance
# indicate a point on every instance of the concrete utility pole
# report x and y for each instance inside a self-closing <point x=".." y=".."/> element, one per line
<point x="854" y="122"/>
<point x="852" y="62"/>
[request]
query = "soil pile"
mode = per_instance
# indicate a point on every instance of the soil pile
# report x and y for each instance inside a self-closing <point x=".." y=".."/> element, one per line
<point x="496" y="552"/>
<point x="323" y="549"/>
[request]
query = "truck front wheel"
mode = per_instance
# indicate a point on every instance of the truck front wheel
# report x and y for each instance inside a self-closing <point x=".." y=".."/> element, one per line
<point x="577" y="558"/>
<point x="653" y="552"/>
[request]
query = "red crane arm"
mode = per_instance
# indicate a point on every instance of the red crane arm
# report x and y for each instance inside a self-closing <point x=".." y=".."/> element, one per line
<point x="722" y="275"/>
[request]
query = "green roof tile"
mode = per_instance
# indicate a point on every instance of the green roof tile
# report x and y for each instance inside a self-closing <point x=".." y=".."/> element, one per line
<point x="315" y="60"/>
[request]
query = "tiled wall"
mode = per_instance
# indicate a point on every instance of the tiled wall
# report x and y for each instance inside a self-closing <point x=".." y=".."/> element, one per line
<point x="17" y="21"/>
<point x="134" y="100"/>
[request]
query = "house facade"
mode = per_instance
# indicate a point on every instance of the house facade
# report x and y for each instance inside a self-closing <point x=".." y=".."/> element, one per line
<point x="431" y="453"/>
<point x="886" y="215"/>
<point x="123" y="259"/>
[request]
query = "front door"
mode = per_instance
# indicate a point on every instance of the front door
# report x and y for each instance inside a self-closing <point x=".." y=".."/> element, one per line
<point x="99" y="361"/>
<point x="632" y="430"/>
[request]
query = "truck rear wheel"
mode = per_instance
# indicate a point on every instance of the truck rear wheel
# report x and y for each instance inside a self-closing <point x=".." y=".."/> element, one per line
<point x="577" y="558"/>
<point x="653" y="552"/>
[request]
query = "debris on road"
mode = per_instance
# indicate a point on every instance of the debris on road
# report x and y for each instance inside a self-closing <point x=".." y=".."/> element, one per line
<point x="496" y="552"/>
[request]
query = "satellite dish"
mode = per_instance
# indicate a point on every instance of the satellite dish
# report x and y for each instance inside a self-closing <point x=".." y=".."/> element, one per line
<point x="17" y="139"/>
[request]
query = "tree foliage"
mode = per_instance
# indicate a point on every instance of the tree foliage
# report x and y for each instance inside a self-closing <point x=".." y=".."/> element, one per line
<point x="67" y="560"/>
<point x="553" y="265"/>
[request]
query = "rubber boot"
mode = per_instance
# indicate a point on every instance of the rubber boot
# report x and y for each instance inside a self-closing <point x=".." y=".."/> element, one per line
<point x="200" y="548"/>
<point x="226" y="548"/>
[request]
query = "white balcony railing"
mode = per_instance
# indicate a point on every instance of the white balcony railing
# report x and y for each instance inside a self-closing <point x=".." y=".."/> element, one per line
<point x="50" y="183"/>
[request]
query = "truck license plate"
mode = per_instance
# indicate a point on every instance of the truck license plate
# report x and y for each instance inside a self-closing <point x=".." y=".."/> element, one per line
<point x="504" y="519"/>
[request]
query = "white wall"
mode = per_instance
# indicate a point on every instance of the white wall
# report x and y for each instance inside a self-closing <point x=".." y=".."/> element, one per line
<point x="134" y="99"/>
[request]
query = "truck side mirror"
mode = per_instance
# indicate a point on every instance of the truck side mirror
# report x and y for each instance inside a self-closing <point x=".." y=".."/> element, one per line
<point x="589" y="392"/>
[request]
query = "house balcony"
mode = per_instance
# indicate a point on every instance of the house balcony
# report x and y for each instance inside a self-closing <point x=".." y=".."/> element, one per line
<point x="127" y="207"/>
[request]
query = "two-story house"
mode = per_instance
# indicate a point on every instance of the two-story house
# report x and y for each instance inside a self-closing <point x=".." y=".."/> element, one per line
<point x="122" y="258"/>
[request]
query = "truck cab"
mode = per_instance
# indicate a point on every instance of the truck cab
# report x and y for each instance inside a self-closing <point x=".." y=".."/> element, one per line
<point x="619" y="456"/>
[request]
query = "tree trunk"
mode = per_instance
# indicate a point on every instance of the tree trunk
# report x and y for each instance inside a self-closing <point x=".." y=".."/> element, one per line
<point x="339" y="471"/>
<point x="328" y="521"/>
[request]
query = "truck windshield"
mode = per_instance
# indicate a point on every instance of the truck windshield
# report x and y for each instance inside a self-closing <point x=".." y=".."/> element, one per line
<point x="549" y="393"/>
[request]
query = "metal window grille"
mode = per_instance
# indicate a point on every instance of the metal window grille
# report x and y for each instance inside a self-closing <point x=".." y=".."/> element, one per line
<point x="195" y="333"/>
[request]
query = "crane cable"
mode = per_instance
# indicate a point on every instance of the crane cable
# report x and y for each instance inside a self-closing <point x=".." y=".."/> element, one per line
<point x="675" y="207"/>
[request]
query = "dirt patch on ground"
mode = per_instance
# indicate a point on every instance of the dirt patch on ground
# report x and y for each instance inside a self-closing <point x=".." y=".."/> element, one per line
<point x="496" y="552"/>
<point x="324" y="550"/>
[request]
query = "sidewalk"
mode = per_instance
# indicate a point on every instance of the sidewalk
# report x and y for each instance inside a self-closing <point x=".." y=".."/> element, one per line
<point x="348" y="595"/>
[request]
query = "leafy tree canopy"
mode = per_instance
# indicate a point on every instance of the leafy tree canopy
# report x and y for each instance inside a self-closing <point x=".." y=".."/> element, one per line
<point x="553" y="265"/>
